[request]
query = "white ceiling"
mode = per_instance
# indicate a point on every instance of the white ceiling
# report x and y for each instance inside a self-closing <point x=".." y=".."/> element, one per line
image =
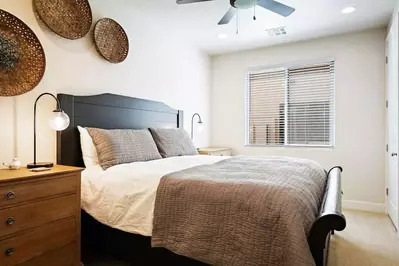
<point x="313" y="18"/>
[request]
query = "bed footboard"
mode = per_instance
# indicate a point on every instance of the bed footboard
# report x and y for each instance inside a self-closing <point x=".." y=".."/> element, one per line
<point x="329" y="219"/>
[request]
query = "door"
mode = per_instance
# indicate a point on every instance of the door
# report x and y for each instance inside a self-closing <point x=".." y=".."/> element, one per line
<point x="392" y="84"/>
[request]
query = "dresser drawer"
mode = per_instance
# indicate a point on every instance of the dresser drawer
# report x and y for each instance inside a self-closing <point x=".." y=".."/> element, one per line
<point x="36" y="214"/>
<point x="64" y="256"/>
<point x="37" y="242"/>
<point x="22" y="192"/>
<point x="221" y="153"/>
<point x="217" y="153"/>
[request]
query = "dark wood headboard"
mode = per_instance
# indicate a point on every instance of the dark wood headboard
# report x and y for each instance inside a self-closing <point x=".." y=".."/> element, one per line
<point x="108" y="111"/>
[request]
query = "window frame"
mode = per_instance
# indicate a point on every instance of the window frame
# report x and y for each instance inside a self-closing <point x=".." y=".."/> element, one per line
<point x="285" y="67"/>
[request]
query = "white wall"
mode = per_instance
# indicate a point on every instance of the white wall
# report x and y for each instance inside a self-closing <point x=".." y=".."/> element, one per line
<point x="160" y="67"/>
<point x="394" y="14"/>
<point x="360" y="110"/>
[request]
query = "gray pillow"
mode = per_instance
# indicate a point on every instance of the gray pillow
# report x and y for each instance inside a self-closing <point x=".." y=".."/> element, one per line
<point x="173" y="142"/>
<point x="120" y="146"/>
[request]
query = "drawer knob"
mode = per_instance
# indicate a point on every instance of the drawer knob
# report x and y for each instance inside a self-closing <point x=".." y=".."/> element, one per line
<point x="9" y="251"/>
<point x="10" y="221"/>
<point x="10" y="195"/>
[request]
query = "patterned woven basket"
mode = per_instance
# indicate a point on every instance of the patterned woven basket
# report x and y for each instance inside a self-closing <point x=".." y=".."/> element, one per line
<point x="22" y="59"/>
<point x="69" y="19"/>
<point x="111" y="40"/>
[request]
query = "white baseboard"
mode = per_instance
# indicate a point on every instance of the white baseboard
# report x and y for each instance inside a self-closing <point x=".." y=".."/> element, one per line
<point x="364" y="206"/>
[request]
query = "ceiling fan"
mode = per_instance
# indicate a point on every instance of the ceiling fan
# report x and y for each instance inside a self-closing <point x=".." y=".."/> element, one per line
<point x="271" y="5"/>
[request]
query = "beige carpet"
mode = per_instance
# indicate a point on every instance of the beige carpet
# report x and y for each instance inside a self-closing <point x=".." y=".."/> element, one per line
<point x="368" y="240"/>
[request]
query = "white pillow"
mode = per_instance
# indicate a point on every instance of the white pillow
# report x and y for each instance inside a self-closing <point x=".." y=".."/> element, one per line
<point x="89" y="152"/>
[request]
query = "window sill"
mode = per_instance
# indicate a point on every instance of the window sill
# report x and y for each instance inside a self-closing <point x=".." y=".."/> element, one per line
<point x="291" y="146"/>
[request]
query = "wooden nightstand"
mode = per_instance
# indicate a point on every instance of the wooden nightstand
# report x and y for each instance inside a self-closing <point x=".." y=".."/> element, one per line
<point x="40" y="217"/>
<point x="213" y="151"/>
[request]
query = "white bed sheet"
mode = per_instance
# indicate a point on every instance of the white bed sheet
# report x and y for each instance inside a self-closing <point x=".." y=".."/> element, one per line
<point x="123" y="196"/>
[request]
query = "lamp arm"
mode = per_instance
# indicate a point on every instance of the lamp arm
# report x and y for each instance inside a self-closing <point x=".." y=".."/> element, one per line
<point x="52" y="95"/>
<point x="192" y="123"/>
<point x="34" y="121"/>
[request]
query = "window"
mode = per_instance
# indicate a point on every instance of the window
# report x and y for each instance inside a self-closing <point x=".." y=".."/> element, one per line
<point x="291" y="106"/>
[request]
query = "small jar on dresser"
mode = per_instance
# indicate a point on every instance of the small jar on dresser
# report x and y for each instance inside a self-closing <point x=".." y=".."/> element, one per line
<point x="215" y="151"/>
<point x="40" y="217"/>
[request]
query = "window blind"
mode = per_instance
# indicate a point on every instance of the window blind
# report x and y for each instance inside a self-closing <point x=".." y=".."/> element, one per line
<point x="291" y="106"/>
<point x="266" y="94"/>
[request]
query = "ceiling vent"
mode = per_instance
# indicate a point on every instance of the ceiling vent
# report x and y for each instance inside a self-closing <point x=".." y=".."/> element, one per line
<point x="277" y="31"/>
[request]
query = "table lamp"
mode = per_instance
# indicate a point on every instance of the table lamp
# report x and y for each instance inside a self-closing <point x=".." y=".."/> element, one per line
<point x="59" y="121"/>
<point x="200" y="124"/>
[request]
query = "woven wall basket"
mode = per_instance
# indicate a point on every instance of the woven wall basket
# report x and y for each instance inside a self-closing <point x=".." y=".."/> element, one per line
<point x="70" y="19"/>
<point x="22" y="59"/>
<point x="111" y="40"/>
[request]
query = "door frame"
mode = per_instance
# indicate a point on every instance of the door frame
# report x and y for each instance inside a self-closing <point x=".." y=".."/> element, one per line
<point x="390" y="34"/>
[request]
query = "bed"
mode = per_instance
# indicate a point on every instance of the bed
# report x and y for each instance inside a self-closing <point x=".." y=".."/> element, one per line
<point x="133" y="245"/>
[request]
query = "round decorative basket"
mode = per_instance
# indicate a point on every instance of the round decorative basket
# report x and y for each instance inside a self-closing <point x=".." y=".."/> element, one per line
<point x="111" y="40"/>
<point x="70" y="19"/>
<point x="22" y="59"/>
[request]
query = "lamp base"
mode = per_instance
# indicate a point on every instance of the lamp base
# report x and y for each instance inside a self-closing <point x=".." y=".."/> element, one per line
<point x="37" y="165"/>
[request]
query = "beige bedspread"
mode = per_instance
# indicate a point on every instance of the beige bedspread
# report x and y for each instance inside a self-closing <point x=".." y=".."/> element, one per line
<point x="240" y="211"/>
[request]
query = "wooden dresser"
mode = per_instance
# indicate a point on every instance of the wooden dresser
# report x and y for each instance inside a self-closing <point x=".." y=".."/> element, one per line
<point x="40" y="217"/>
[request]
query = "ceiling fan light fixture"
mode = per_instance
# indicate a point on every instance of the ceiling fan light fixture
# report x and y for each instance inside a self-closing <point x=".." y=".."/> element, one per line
<point x="222" y="36"/>
<point x="348" y="10"/>
<point x="235" y="5"/>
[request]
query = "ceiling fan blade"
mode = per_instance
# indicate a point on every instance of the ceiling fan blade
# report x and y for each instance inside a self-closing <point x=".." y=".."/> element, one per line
<point x="276" y="7"/>
<point x="228" y="16"/>
<point x="181" y="2"/>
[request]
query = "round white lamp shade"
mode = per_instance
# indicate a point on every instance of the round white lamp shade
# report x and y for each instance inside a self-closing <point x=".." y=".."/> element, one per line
<point x="59" y="121"/>
<point x="200" y="127"/>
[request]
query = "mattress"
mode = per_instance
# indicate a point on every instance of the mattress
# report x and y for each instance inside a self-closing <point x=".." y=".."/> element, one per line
<point x="123" y="196"/>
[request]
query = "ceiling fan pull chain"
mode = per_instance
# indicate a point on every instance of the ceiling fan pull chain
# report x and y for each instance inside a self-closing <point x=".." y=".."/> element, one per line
<point x="238" y="20"/>
<point x="254" y="12"/>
